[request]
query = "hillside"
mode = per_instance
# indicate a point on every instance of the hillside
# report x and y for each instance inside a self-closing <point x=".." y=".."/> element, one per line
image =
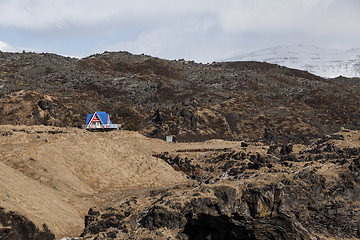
<point x="319" y="61"/>
<point x="263" y="152"/>
<point x="230" y="100"/>
<point x="122" y="185"/>
<point x="53" y="175"/>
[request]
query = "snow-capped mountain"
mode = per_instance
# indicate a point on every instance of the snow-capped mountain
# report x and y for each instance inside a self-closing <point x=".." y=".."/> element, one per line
<point x="320" y="61"/>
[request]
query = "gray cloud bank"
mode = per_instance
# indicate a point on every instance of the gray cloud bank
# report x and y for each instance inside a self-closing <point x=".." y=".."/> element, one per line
<point x="199" y="30"/>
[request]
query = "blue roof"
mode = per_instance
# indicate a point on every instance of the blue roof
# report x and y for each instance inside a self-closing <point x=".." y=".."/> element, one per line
<point x="102" y="115"/>
<point x="88" y="118"/>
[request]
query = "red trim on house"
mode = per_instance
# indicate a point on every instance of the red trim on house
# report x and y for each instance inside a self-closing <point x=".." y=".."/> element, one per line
<point x="95" y="118"/>
<point x="108" y="122"/>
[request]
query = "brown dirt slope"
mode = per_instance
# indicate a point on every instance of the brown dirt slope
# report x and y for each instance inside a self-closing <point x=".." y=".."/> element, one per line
<point x="53" y="175"/>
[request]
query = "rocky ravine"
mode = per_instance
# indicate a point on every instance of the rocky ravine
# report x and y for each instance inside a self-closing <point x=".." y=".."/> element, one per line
<point x="252" y="192"/>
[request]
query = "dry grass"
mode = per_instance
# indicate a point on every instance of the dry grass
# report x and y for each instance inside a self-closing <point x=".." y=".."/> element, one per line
<point x="54" y="175"/>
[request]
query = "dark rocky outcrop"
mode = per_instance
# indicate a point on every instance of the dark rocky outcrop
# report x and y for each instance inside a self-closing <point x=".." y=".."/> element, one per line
<point x="272" y="212"/>
<point x="14" y="227"/>
<point x="291" y="199"/>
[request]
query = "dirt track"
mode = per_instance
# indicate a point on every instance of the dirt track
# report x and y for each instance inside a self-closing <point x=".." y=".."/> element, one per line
<point x="54" y="175"/>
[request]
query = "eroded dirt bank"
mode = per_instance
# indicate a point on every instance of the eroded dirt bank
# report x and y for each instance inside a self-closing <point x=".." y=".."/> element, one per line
<point x="53" y="175"/>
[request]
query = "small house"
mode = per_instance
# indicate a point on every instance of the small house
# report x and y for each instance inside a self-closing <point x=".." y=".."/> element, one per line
<point x="100" y="120"/>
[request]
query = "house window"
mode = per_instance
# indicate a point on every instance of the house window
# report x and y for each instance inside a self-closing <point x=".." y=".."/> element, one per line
<point x="95" y="124"/>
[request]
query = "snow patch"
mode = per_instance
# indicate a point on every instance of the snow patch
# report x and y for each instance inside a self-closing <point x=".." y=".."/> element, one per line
<point x="4" y="47"/>
<point x="319" y="61"/>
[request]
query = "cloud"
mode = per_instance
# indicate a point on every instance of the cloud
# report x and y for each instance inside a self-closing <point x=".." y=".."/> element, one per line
<point x="201" y="30"/>
<point x="234" y="16"/>
<point x="43" y="15"/>
<point x="192" y="39"/>
<point x="311" y="16"/>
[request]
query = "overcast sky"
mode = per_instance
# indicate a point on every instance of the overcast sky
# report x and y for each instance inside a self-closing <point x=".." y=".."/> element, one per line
<point x="200" y="30"/>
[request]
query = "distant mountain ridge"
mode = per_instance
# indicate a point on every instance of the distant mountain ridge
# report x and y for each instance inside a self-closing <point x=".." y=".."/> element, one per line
<point x="319" y="61"/>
